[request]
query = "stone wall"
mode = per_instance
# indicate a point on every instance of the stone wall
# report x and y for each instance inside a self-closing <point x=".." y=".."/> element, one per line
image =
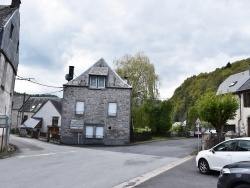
<point x="116" y="129"/>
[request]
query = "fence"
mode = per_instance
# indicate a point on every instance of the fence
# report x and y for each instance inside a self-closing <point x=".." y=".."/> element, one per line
<point x="141" y="136"/>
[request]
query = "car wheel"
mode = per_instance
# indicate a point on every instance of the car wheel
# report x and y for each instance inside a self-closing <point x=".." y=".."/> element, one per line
<point x="203" y="166"/>
<point x="243" y="186"/>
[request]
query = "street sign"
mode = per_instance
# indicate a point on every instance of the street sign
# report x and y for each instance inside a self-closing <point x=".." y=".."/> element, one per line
<point x="3" y="121"/>
<point x="198" y="122"/>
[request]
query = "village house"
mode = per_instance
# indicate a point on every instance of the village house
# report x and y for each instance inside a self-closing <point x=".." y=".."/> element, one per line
<point x="39" y="112"/>
<point x="9" y="55"/>
<point x="17" y="103"/>
<point x="239" y="85"/>
<point x="96" y="108"/>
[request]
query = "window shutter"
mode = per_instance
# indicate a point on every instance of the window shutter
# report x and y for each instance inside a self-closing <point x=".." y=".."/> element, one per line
<point x="99" y="132"/>
<point x="89" y="131"/>
<point x="112" y="110"/>
<point x="79" y="107"/>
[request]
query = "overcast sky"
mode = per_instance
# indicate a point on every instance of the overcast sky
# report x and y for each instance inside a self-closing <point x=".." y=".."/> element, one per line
<point x="182" y="38"/>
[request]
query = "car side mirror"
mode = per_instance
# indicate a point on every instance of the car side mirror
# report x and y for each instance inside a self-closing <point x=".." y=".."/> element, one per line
<point x="212" y="150"/>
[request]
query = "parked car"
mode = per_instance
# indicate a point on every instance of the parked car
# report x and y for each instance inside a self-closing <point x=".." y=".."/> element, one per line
<point x="236" y="175"/>
<point x="227" y="152"/>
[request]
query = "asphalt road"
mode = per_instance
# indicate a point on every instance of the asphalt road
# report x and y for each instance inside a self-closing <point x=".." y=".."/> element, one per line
<point x="184" y="175"/>
<point x="41" y="164"/>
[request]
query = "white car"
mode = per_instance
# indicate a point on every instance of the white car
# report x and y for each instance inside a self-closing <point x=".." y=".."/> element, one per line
<point x="227" y="152"/>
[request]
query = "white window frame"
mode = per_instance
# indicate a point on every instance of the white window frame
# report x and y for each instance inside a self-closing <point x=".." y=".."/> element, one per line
<point x="79" y="108"/>
<point x="93" y="78"/>
<point x="112" y="109"/>
<point x="97" y="81"/>
<point x="89" y="131"/>
<point x="99" y="132"/>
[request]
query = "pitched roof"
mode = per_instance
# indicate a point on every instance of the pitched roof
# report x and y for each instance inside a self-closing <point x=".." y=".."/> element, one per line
<point x="33" y="104"/>
<point x="18" y="102"/>
<point x="57" y="104"/>
<point x="100" y="68"/>
<point x="5" y="14"/>
<point x="233" y="83"/>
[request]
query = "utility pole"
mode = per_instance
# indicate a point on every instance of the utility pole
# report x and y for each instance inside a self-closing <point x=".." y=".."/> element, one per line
<point x="23" y="106"/>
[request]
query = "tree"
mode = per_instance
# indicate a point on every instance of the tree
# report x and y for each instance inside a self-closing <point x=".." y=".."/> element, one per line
<point x="217" y="110"/>
<point x="140" y="74"/>
<point x="160" y="116"/>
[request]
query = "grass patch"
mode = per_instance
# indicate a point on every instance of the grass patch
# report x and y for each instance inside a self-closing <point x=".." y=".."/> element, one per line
<point x="11" y="149"/>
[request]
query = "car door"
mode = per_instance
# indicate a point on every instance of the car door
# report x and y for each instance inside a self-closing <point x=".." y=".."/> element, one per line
<point x="242" y="152"/>
<point x="221" y="155"/>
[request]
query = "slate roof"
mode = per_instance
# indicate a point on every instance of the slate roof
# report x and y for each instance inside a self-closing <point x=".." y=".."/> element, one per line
<point x="234" y="83"/>
<point x="18" y="102"/>
<point x="103" y="69"/>
<point x="57" y="105"/>
<point x="33" y="104"/>
<point x="5" y="14"/>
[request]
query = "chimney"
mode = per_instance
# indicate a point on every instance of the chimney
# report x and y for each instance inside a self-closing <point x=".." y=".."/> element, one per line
<point x="71" y="73"/>
<point x="15" y="3"/>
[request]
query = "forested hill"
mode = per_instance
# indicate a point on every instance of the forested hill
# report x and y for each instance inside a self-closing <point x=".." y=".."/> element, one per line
<point x="192" y="88"/>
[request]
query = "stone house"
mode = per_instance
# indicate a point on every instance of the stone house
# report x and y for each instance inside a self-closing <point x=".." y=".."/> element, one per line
<point x="9" y="53"/>
<point x="239" y="85"/>
<point x="96" y="108"/>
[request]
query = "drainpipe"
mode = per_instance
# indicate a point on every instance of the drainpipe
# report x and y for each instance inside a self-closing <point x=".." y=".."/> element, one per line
<point x="240" y="116"/>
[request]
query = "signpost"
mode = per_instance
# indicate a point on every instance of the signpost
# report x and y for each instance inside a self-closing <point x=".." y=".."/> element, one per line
<point x="198" y="122"/>
<point x="4" y="124"/>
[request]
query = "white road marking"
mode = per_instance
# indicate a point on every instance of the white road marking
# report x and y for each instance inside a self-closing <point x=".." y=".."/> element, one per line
<point x="45" y="154"/>
<point x="144" y="177"/>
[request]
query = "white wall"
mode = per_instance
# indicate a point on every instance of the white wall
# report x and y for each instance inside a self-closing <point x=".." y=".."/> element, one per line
<point x="47" y="112"/>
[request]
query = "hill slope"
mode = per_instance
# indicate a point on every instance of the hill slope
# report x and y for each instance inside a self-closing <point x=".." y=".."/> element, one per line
<point x="196" y="86"/>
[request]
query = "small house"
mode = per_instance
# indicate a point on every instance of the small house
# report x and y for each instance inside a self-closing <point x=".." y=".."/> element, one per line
<point x="96" y="108"/>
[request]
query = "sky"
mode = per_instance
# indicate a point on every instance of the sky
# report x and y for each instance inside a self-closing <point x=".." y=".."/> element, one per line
<point x="181" y="38"/>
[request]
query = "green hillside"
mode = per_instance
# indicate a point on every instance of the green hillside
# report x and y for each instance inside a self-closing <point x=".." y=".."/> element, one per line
<point x="192" y="88"/>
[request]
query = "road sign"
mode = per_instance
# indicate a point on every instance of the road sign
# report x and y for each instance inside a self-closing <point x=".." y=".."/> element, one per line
<point x="3" y="121"/>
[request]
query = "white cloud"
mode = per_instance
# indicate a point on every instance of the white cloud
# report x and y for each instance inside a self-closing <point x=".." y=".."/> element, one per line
<point x="181" y="37"/>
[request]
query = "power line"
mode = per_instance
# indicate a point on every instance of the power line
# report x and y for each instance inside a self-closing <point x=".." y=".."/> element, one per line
<point x="29" y="80"/>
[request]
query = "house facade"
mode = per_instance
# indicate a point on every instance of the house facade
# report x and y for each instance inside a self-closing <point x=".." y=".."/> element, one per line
<point x="9" y="53"/>
<point x="50" y="113"/>
<point x="45" y="113"/>
<point x="239" y="85"/>
<point x="31" y="107"/>
<point x="96" y="108"/>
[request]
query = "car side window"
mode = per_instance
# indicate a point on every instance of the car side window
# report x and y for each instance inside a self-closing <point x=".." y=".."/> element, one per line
<point x="226" y="146"/>
<point x="243" y="145"/>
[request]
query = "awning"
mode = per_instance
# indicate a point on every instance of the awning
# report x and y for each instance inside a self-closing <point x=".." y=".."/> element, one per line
<point x="32" y="123"/>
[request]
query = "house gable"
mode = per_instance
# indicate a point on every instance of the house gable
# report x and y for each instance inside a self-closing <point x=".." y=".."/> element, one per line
<point x="100" y="68"/>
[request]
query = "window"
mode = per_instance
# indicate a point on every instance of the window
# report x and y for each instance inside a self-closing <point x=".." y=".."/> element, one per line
<point x="97" y="81"/>
<point x="4" y="75"/>
<point x="99" y="132"/>
<point x="55" y="121"/>
<point x="89" y="132"/>
<point x="79" y="108"/>
<point x="246" y="98"/>
<point x="112" y="109"/>
<point x="11" y="31"/>
<point x="226" y="146"/>
<point x="93" y="131"/>
<point x="232" y="84"/>
<point x="243" y="145"/>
